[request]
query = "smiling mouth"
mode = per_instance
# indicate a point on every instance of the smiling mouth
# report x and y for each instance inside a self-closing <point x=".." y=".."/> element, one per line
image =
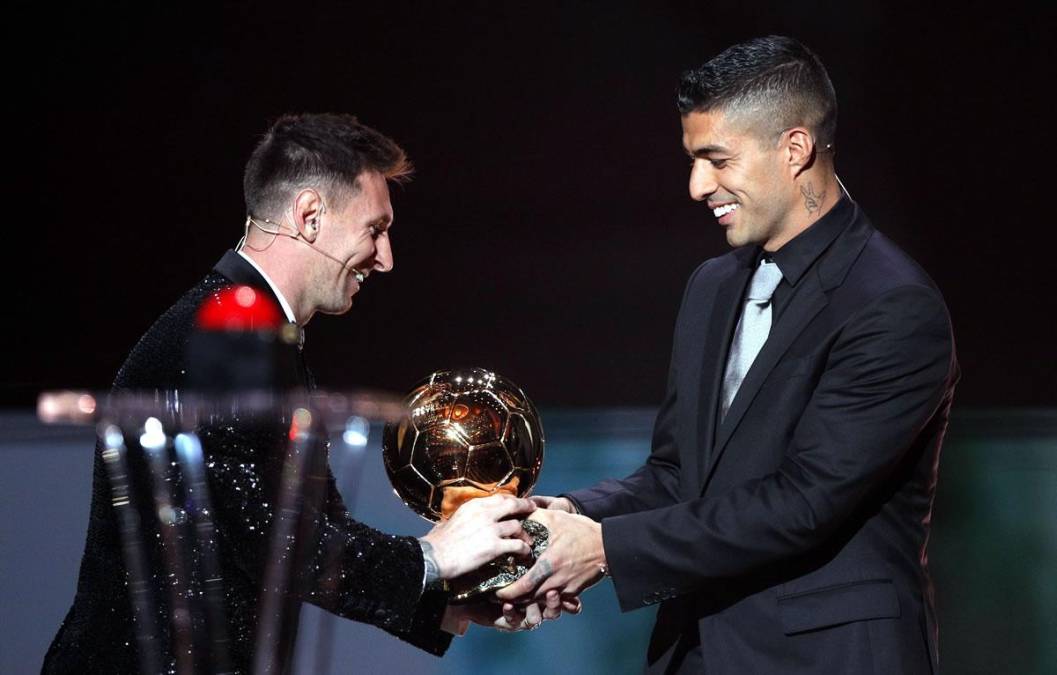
<point x="721" y="211"/>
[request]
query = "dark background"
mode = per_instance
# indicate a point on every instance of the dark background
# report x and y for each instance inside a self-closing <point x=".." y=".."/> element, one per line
<point x="548" y="232"/>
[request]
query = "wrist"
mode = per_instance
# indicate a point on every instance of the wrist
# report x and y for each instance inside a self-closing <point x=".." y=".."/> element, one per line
<point x="432" y="577"/>
<point x="602" y="562"/>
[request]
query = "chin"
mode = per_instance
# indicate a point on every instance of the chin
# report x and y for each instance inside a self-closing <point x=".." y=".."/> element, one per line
<point x="744" y="236"/>
<point x="337" y="308"/>
<point x="736" y="239"/>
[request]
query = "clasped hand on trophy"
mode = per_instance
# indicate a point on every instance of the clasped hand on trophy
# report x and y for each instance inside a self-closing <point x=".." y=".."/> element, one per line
<point x="573" y="561"/>
<point x="477" y="533"/>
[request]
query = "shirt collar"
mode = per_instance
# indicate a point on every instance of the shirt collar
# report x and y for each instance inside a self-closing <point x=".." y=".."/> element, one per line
<point x="275" y="289"/>
<point x="801" y="252"/>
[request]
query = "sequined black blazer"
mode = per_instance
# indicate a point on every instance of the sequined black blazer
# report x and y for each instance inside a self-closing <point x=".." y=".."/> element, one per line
<point x="354" y="571"/>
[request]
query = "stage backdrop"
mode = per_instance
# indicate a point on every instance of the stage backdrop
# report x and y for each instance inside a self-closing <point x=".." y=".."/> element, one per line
<point x="548" y="233"/>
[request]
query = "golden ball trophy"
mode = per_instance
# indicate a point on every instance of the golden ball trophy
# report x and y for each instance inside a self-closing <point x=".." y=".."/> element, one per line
<point x="467" y="433"/>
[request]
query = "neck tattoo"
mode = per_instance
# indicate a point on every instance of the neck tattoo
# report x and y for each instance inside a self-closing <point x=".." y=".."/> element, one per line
<point x="812" y="200"/>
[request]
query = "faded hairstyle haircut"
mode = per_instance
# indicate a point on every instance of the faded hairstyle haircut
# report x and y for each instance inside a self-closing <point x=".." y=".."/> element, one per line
<point x="771" y="83"/>
<point x="325" y="151"/>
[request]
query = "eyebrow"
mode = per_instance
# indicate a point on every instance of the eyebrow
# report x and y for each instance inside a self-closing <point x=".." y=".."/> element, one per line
<point x="708" y="150"/>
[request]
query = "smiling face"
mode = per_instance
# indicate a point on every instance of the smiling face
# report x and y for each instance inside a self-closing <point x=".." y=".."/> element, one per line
<point x="745" y="180"/>
<point x="356" y="235"/>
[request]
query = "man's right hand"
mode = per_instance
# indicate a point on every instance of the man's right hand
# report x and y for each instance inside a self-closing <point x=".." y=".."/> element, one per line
<point x="508" y="617"/>
<point x="478" y="532"/>
<point x="554" y="503"/>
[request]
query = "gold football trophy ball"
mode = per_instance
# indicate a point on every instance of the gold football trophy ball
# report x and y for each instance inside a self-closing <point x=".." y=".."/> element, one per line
<point x="467" y="433"/>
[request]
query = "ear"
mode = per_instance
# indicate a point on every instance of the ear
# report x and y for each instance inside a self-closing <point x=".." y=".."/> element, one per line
<point x="799" y="150"/>
<point x="307" y="213"/>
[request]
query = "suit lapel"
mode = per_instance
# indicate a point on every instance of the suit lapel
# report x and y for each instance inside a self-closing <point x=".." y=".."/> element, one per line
<point x="726" y="309"/>
<point x="238" y="271"/>
<point x="803" y="307"/>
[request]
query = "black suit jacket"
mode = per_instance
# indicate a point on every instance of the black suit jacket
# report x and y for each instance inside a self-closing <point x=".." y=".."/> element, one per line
<point x="790" y="536"/>
<point x="353" y="570"/>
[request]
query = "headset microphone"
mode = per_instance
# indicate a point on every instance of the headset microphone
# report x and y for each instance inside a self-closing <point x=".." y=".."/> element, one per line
<point x="842" y="185"/>
<point x="296" y="236"/>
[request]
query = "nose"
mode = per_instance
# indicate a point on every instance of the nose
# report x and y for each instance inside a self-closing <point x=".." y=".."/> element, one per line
<point x="383" y="254"/>
<point x="702" y="181"/>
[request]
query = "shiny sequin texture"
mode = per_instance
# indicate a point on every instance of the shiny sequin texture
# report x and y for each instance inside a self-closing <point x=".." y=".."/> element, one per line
<point x="333" y="561"/>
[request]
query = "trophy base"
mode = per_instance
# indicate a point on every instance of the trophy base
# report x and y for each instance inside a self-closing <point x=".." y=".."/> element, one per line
<point x="482" y="583"/>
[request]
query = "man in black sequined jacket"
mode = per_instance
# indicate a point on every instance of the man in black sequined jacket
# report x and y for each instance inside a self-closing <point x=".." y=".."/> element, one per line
<point x="319" y="214"/>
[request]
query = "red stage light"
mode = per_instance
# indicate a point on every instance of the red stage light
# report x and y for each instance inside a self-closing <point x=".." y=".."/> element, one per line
<point x="239" y="308"/>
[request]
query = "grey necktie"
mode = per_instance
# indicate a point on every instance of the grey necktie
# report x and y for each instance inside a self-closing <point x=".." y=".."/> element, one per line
<point x="752" y="330"/>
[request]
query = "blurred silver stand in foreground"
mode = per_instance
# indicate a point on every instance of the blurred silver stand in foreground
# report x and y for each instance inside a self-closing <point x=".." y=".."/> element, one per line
<point x="163" y="428"/>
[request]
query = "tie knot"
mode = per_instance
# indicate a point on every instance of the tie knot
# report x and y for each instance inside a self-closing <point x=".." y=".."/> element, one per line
<point x="764" y="281"/>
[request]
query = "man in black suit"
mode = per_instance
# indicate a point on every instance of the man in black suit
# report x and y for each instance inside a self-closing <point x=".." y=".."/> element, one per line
<point x="318" y="223"/>
<point x="782" y="516"/>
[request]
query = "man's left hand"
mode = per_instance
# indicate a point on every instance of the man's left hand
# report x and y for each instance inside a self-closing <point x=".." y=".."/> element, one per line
<point x="573" y="561"/>
<point x="506" y="616"/>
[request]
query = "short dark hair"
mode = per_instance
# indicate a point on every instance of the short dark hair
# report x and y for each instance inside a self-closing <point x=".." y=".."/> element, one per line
<point x="775" y="79"/>
<point x="325" y="150"/>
